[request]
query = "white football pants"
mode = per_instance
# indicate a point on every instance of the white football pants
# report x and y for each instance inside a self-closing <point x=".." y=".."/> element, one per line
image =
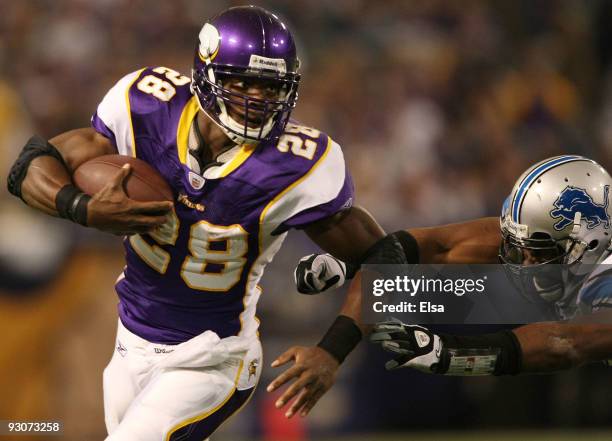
<point x="156" y="392"/>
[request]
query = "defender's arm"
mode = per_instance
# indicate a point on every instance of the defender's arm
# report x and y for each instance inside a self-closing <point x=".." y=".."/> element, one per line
<point x="534" y="348"/>
<point x="553" y="346"/>
<point x="475" y="241"/>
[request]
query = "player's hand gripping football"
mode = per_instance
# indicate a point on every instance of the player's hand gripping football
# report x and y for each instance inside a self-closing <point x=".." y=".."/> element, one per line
<point x="313" y="372"/>
<point x="111" y="210"/>
<point x="319" y="272"/>
<point x="414" y="346"/>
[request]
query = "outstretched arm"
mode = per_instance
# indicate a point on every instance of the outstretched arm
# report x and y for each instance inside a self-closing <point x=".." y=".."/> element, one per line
<point x="475" y="241"/>
<point x="534" y="348"/>
<point x="553" y="346"/>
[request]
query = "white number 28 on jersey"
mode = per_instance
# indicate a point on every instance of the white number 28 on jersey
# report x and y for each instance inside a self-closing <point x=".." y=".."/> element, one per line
<point x="160" y="89"/>
<point x="216" y="259"/>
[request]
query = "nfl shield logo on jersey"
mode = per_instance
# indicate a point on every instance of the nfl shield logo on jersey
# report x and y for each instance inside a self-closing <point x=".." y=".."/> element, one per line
<point x="196" y="181"/>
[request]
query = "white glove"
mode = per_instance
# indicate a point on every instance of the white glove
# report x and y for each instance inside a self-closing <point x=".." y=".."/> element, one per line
<point x="319" y="272"/>
<point x="414" y="346"/>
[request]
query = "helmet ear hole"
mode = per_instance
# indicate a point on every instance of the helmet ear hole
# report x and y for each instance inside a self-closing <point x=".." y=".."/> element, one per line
<point x="593" y="244"/>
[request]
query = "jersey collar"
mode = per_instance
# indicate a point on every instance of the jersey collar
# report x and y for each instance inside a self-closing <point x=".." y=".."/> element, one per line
<point x="229" y="160"/>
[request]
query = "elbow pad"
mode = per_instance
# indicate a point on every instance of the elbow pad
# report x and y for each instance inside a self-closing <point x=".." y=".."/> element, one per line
<point x="35" y="147"/>
<point x="396" y="248"/>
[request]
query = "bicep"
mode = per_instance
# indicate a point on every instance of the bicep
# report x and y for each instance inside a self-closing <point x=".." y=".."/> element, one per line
<point x="475" y="241"/>
<point x="346" y="235"/>
<point x="80" y="145"/>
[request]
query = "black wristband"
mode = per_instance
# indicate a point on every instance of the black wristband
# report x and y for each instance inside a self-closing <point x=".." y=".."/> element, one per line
<point x="488" y="354"/>
<point x="71" y="203"/>
<point x="351" y="270"/>
<point x="79" y="214"/>
<point x="341" y="338"/>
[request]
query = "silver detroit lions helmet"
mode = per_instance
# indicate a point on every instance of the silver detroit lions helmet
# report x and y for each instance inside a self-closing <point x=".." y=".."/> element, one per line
<point x="557" y="212"/>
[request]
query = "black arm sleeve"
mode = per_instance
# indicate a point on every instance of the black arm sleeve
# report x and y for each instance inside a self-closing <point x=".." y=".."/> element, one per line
<point x="35" y="147"/>
<point x="396" y="248"/>
<point x="497" y="354"/>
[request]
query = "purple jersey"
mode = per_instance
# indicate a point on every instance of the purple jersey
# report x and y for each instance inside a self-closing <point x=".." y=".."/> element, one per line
<point x="200" y="270"/>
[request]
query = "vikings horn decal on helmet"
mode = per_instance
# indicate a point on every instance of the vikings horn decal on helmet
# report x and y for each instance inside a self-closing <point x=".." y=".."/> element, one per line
<point x="557" y="212"/>
<point x="249" y="44"/>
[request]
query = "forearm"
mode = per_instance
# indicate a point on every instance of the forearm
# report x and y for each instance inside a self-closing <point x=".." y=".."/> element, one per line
<point x="350" y="236"/>
<point x="352" y="305"/>
<point x="554" y="346"/>
<point x="45" y="178"/>
<point x="475" y="241"/>
<point x="45" y="167"/>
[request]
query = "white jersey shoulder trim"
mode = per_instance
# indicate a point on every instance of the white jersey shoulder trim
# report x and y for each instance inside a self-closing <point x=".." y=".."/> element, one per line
<point x="321" y="184"/>
<point x="114" y="111"/>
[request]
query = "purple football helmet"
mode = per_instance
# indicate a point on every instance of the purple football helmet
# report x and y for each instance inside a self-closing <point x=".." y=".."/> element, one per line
<point x="251" y="44"/>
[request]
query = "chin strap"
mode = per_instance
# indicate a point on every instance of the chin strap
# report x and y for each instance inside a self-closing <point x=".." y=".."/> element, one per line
<point x="576" y="227"/>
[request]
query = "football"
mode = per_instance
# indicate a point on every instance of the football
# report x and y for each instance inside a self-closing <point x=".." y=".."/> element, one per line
<point x="143" y="184"/>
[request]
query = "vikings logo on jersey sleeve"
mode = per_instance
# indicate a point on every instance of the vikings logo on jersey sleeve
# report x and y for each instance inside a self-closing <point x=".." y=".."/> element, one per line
<point x="574" y="200"/>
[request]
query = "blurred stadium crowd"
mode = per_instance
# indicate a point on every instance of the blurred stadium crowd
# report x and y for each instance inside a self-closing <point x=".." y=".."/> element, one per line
<point x="439" y="106"/>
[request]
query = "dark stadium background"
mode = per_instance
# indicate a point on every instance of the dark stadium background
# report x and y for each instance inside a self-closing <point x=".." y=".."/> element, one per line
<point x="439" y="105"/>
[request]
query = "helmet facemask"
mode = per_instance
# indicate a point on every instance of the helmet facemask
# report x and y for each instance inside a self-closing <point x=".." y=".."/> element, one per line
<point x="262" y="118"/>
<point x="540" y="267"/>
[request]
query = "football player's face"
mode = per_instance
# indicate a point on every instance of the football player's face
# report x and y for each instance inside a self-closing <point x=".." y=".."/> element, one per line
<point x="254" y="88"/>
<point x="535" y="256"/>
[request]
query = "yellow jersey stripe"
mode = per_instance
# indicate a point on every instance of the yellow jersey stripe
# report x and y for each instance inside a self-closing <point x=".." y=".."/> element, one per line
<point x="243" y="154"/>
<point x="182" y="133"/>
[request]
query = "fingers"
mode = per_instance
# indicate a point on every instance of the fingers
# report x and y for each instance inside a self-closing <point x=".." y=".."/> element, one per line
<point x="397" y="362"/>
<point x="378" y="337"/>
<point x="310" y="281"/>
<point x="306" y="400"/>
<point x="391" y="365"/>
<point x="290" y="373"/>
<point x="149" y="221"/>
<point x="331" y="282"/>
<point x="298" y="402"/>
<point x="397" y="348"/>
<point x="117" y="180"/>
<point x="286" y="356"/>
<point x="151" y="208"/>
<point x="315" y="396"/>
<point x="293" y="390"/>
<point x="390" y="326"/>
